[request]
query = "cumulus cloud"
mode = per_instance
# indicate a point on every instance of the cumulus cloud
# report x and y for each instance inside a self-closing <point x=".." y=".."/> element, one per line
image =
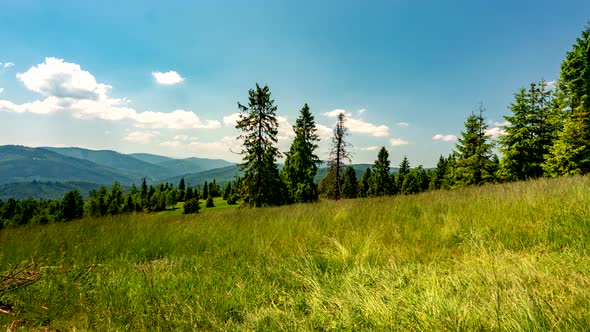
<point x="402" y="124"/>
<point x="226" y="143"/>
<point x="141" y="137"/>
<point x="1" y="90"/>
<point x="336" y="112"/>
<point x="446" y="138"/>
<point x="232" y="119"/>
<point x="398" y="142"/>
<point x="68" y="88"/>
<point x="359" y="125"/>
<point x="6" y="64"/>
<point x="551" y="85"/>
<point x="324" y="131"/>
<point x="495" y="132"/>
<point x="167" y="78"/>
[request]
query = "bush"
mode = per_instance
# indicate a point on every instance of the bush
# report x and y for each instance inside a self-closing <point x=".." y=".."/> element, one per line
<point x="210" y="203"/>
<point x="191" y="206"/>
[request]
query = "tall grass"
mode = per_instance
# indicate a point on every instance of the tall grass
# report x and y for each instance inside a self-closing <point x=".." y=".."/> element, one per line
<point x="506" y="257"/>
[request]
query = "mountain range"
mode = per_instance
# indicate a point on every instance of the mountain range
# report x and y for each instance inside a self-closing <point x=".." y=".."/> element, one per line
<point x="50" y="172"/>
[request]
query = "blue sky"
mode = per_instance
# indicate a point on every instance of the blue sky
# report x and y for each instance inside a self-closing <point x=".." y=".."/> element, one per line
<point x="165" y="77"/>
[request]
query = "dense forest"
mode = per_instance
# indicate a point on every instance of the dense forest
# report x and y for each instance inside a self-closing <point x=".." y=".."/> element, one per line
<point x="546" y="134"/>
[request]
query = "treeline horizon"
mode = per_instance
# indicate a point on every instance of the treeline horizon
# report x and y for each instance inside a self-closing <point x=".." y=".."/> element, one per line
<point x="547" y="135"/>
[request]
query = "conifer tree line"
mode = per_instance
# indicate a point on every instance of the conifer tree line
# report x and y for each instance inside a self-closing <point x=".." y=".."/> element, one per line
<point x="546" y="133"/>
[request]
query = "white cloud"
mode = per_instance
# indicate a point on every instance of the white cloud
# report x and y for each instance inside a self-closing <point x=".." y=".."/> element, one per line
<point x="232" y="119"/>
<point x="167" y="78"/>
<point x="141" y="137"/>
<point x="359" y="125"/>
<point x="361" y="111"/>
<point x="398" y="141"/>
<point x="1" y="90"/>
<point x="370" y="148"/>
<point x="324" y="131"/>
<point x="551" y="85"/>
<point x="336" y="112"/>
<point x="402" y="124"/>
<point x="6" y="64"/>
<point x="206" y="149"/>
<point x="495" y="132"/>
<point x="68" y="88"/>
<point x="446" y="138"/>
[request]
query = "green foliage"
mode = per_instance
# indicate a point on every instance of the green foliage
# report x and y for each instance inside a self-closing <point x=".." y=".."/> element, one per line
<point x="381" y="180"/>
<point x="262" y="184"/>
<point x="365" y="183"/>
<point x="191" y="206"/>
<point x="301" y="163"/>
<point x="349" y="186"/>
<point x="529" y="133"/>
<point x="474" y="165"/>
<point x="210" y="202"/>
<point x="570" y="153"/>
<point x="72" y="206"/>
<point x="403" y="171"/>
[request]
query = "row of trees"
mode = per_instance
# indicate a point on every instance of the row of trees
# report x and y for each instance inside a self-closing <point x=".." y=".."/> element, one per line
<point x="113" y="201"/>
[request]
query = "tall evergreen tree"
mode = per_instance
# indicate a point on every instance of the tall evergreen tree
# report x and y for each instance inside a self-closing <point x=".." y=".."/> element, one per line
<point x="181" y="189"/>
<point x="365" y="183"/>
<point x="301" y="164"/>
<point x="205" y="191"/>
<point x="474" y="165"/>
<point x="528" y="134"/>
<point x="349" y="185"/>
<point x="439" y="173"/>
<point x="261" y="181"/>
<point x="570" y="153"/>
<point x="72" y="205"/>
<point x="339" y="155"/>
<point x="381" y="181"/>
<point x="402" y="172"/>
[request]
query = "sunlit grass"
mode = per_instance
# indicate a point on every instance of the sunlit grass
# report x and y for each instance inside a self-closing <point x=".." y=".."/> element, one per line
<point x="506" y="257"/>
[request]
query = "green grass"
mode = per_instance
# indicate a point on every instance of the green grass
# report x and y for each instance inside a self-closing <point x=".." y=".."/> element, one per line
<point x="219" y="203"/>
<point x="508" y="257"/>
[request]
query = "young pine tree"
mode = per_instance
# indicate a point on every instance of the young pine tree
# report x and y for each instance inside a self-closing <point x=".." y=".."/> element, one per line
<point x="301" y="164"/>
<point x="381" y="180"/>
<point x="262" y="184"/>
<point x="349" y="185"/>
<point x="474" y="164"/>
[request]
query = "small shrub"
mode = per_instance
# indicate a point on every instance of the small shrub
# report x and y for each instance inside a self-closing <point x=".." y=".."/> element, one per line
<point x="191" y="206"/>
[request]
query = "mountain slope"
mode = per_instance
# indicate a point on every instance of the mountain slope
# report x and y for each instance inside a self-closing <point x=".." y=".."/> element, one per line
<point x="133" y="167"/>
<point x="44" y="190"/>
<point x="19" y="163"/>
<point x="221" y="175"/>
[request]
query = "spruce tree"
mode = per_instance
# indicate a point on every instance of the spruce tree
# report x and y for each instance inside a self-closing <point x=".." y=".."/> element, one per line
<point x="402" y="172"/>
<point x="365" y="183"/>
<point x="205" y="191"/>
<point x="570" y="153"/>
<point x="349" y="185"/>
<point x="439" y="173"/>
<point x="529" y="133"/>
<point x="261" y="181"/>
<point x="338" y="156"/>
<point x="381" y="180"/>
<point x="474" y="164"/>
<point x="181" y="189"/>
<point x="301" y="164"/>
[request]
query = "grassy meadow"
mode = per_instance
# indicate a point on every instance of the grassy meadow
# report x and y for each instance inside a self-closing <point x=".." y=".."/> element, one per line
<point x="509" y="257"/>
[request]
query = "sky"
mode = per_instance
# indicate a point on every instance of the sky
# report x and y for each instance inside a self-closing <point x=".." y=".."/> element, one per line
<point x="166" y="77"/>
